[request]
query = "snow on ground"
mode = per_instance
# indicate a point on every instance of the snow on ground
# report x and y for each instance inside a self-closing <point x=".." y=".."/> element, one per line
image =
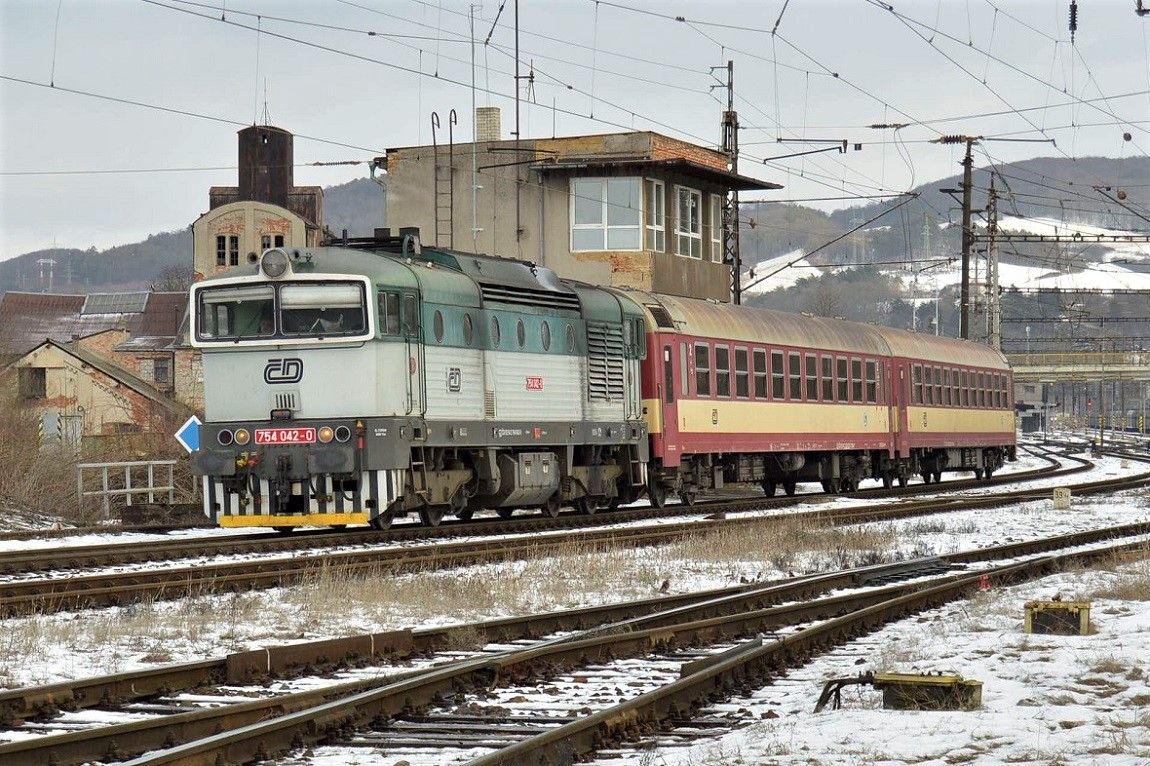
<point x="1045" y="699"/>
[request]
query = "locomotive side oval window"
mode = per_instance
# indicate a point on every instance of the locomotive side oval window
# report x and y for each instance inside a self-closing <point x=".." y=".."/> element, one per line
<point x="545" y="332"/>
<point x="521" y="333"/>
<point x="468" y="329"/>
<point x="570" y="339"/>
<point x="437" y="326"/>
<point x="494" y="331"/>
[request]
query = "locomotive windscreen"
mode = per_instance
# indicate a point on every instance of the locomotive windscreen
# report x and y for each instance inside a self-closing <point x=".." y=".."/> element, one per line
<point x="300" y="309"/>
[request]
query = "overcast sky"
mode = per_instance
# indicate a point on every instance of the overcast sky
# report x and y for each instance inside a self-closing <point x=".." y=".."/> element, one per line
<point x="599" y="67"/>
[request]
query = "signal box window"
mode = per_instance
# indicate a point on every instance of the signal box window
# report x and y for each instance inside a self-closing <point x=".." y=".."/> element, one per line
<point x="742" y="383"/>
<point x="871" y="382"/>
<point x="606" y="214"/>
<point x="655" y="211"/>
<point x="760" y="357"/>
<point x="722" y="371"/>
<point x="702" y="370"/>
<point x="828" y="379"/>
<point x="716" y="228"/>
<point x="688" y="223"/>
<point x="841" y="378"/>
<point x="796" y="377"/>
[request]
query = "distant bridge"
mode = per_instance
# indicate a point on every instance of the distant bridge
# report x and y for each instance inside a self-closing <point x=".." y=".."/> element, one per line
<point x="1089" y="366"/>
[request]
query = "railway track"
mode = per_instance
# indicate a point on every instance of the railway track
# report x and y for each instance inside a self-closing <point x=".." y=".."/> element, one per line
<point x="463" y="696"/>
<point x="90" y="556"/>
<point x="76" y="591"/>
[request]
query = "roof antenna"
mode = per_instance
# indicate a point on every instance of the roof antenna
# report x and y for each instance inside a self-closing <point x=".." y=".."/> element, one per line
<point x="267" y="114"/>
<point x="1073" y="19"/>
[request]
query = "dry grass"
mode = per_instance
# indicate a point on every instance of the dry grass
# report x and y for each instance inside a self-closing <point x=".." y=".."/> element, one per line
<point x="1130" y="583"/>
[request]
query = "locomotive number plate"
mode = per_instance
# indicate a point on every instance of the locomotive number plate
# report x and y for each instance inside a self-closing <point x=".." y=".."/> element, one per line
<point x="285" y="435"/>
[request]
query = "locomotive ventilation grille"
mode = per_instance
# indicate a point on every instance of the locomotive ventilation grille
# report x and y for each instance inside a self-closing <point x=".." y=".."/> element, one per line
<point x="604" y="362"/>
<point x="286" y="400"/>
<point x="523" y="296"/>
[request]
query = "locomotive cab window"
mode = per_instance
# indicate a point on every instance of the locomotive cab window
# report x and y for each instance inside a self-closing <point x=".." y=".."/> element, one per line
<point x="389" y="313"/>
<point x="410" y="316"/>
<point x="322" y="309"/>
<point x="702" y="370"/>
<point x="236" y="313"/>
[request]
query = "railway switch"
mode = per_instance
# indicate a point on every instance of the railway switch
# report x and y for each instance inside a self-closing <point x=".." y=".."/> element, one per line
<point x="1063" y="618"/>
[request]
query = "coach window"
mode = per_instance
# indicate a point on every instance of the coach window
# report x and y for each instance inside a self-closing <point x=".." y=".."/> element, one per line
<point x="927" y="386"/>
<point x="871" y="382"/>
<point x="828" y="379"/>
<point x="841" y="379"/>
<point x="946" y="386"/>
<point x="760" y="359"/>
<point x="954" y="396"/>
<point x="702" y="369"/>
<point x="918" y="384"/>
<point x="997" y="392"/>
<point x="722" y="371"/>
<point x="938" y="385"/>
<point x="668" y="376"/>
<point x="796" y="377"/>
<point x="742" y="380"/>
<point x="778" y="386"/>
<point x="856" y="380"/>
<point x="495" y="332"/>
<point x="982" y="389"/>
<point x="812" y="378"/>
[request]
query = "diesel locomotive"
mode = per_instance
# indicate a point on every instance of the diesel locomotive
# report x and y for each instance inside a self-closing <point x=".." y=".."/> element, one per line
<point x="355" y="385"/>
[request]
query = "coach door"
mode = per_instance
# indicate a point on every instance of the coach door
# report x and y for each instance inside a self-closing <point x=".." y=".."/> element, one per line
<point x="899" y="388"/>
<point x="668" y="403"/>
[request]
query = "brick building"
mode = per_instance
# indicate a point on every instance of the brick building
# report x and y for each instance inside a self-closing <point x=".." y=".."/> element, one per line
<point x="635" y="209"/>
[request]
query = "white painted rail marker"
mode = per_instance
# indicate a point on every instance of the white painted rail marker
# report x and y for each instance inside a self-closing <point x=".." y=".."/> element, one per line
<point x="1062" y="498"/>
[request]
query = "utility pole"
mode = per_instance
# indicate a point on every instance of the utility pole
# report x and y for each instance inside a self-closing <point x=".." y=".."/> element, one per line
<point x="993" y="299"/>
<point x="730" y="134"/>
<point x="967" y="234"/>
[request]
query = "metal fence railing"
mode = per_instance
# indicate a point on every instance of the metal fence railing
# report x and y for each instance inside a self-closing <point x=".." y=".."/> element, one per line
<point x="125" y="480"/>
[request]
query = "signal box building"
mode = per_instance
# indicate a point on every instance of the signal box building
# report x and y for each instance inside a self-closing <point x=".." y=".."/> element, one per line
<point x="265" y="210"/>
<point x="639" y="210"/>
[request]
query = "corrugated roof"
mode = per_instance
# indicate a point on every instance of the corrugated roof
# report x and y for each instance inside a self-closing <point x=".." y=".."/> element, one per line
<point x="28" y="319"/>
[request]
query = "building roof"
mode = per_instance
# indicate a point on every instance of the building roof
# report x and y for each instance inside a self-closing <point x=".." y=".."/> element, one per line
<point x="28" y="319"/>
<point x="112" y="370"/>
<point x="724" y="178"/>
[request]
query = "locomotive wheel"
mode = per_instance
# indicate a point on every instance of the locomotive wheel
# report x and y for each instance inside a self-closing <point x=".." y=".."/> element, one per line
<point x="768" y="488"/>
<point x="505" y="513"/>
<point x="459" y="507"/>
<point x="657" y="492"/>
<point x="789" y="486"/>
<point x="431" y="515"/>
<point x="586" y="505"/>
<point x="382" y="522"/>
<point x="284" y="530"/>
<point x="687" y="497"/>
<point x="552" y="506"/>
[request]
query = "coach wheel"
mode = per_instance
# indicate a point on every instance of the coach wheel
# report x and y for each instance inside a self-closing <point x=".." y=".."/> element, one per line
<point x="789" y="486"/>
<point x="687" y="497"/>
<point x="978" y="474"/>
<point x="903" y="479"/>
<point x="284" y="530"/>
<point x="586" y="505"/>
<point x="552" y="506"/>
<point x="505" y="513"/>
<point x="937" y="476"/>
<point x="657" y="493"/>
<point x="988" y="473"/>
<point x="926" y="477"/>
<point x="614" y="503"/>
<point x="431" y="515"/>
<point x="887" y="481"/>
<point x="768" y="488"/>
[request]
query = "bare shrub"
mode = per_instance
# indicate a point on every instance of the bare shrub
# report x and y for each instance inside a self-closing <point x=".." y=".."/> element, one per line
<point x="34" y="481"/>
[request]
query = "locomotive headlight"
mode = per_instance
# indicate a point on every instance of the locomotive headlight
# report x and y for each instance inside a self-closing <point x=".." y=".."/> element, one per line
<point x="242" y="436"/>
<point x="342" y="434"/>
<point x="224" y="437"/>
<point x="274" y="263"/>
<point x="325" y="434"/>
